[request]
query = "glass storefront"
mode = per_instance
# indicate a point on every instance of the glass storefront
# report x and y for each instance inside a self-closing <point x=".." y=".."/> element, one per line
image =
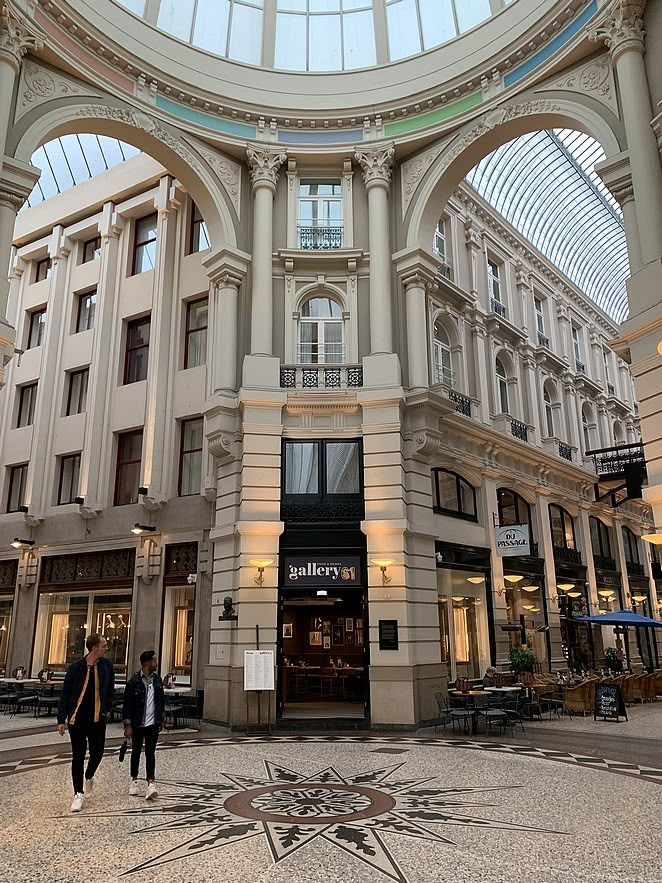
<point x="64" y="621"/>
<point x="6" y="609"/>
<point x="576" y="636"/>
<point x="177" y="638"/>
<point x="463" y="622"/>
<point x="526" y="608"/>
<point x="646" y="643"/>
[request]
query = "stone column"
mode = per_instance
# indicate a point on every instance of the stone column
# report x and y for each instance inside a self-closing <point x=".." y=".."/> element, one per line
<point x="417" y="271"/>
<point x="623" y="32"/>
<point x="546" y="551"/>
<point x="481" y="344"/>
<point x="264" y="165"/>
<point x="564" y="330"/>
<point x="629" y="209"/>
<point x="570" y="408"/>
<point x="491" y="482"/>
<point x="531" y="412"/>
<point x="597" y="359"/>
<point x="377" y="170"/>
<point x="604" y="425"/>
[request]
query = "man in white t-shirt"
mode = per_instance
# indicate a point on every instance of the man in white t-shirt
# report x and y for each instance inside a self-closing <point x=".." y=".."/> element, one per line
<point x="143" y="712"/>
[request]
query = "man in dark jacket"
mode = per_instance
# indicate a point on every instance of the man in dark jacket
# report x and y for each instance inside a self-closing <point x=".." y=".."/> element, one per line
<point x="85" y="702"/>
<point x="144" y="708"/>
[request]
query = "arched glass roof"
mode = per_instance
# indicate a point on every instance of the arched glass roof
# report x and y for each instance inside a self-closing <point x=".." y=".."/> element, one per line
<point x="315" y="35"/>
<point x="545" y="185"/>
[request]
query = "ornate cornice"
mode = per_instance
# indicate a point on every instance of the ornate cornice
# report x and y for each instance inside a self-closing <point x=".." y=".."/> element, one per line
<point x="623" y="29"/>
<point x="16" y="36"/>
<point x="264" y="165"/>
<point x="376" y="165"/>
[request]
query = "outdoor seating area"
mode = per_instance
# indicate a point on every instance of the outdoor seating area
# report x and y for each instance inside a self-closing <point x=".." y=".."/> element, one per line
<point x="474" y="708"/>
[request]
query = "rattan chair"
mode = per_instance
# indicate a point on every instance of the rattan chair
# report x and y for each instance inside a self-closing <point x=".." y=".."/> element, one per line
<point x="577" y="699"/>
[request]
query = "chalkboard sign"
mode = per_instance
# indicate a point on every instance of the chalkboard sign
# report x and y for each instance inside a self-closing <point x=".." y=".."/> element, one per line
<point x="609" y="702"/>
<point x="388" y="634"/>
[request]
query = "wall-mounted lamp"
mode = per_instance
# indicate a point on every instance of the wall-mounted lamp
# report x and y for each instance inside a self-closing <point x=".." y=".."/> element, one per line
<point x="260" y="563"/>
<point x="383" y="564"/>
<point x="140" y="529"/>
<point x="21" y="544"/>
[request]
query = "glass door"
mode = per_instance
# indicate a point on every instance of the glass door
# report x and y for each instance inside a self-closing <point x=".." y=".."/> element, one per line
<point x="463" y="622"/>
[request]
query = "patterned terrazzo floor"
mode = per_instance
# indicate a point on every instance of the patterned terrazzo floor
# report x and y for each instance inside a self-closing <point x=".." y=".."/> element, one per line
<point x="348" y="808"/>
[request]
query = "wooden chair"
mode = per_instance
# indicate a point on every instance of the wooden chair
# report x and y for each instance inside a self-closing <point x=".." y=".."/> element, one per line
<point x="627" y="688"/>
<point x="639" y="688"/>
<point x="577" y="699"/>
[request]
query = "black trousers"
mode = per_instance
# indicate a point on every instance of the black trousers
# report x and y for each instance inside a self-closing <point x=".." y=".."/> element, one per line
<point x="150" y="736"/>
<point x="84" y="735"/>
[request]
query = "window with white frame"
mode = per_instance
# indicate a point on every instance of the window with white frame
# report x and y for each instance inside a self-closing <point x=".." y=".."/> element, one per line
<point x="440" y="246"/>
<point x="577" y="347"/>
<point x="321" y="334"/>
<point x="539" y="306"/>
<point x="442" y="355"/>
<point x="606" y="359"/>
<point x="588" y="428"/>
<point x="495" y="288"/>
<point x="320" y="215"/>
<point x="502" y="387"/>
<point x="549" y="413"/>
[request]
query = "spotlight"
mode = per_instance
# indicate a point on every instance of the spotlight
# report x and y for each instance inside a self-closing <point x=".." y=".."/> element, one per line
<point x="21" y="544"/>
<point x="139" y="529"/>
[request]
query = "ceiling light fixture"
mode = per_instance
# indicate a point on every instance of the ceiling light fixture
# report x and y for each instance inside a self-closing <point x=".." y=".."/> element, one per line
<point x="476" y="580"/>
<point x="529" y="588"/>
<point x="574" y="594"/>
<point x="513" y="577"/>
<point x="565" y="587"/>
<point x="606" y="593"/>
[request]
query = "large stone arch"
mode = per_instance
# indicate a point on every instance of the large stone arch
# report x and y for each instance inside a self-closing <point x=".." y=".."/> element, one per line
<point x="213" y="180"/>
<point x="430" y="178"/>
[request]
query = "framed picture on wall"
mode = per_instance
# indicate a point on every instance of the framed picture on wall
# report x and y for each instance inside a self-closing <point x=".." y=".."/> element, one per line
<point x="327" y="643"/>
<point x="349" y="624"/>
<point x="359" y="637"/>
<point x="315" y="639"/>
<point x="288" y="630"/>
<point x="326" y="628"/>
<point x="349" y="639"/>
<point x="338" y="636"/>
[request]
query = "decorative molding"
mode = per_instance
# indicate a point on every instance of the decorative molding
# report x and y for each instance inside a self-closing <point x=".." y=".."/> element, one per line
<point x="595" y="78"/>
<point x="428" y="445"/>
<point x="228" y="173"/>
<point x="11" y="200"/>
<point x="623" y="29"/>
<point x="221" y="446"/>
<point x="376" y="165"/>
<point x="16" y="36"/>
<point x="413" y="171"/>
<point x="264" y="165"/>
<point x="38" y="86"/>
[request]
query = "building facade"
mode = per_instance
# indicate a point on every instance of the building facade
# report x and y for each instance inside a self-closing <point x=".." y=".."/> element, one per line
<point x="311" y="371"/>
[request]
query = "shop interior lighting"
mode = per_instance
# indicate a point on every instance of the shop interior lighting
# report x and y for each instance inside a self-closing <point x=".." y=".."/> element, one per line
<point x="260" y="564"/>
<point x="565" y="587"/>
<point x="639" y="598"/>
<point x="654" y="538"/>
<point x="513" y="577"/>
<point x="529" y="588"/>
<point x="606" y="593"/>
<point x="322" y="593"/>
<point x="476" y="580"/>
<point x="574" y="594"/>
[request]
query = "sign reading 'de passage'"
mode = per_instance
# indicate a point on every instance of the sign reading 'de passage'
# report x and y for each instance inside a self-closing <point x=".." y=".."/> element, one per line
<point x="322" y="571"/>
<point x="513" y="540"/>
<point x="609" y="702"/>
<point x="258" y="669"/>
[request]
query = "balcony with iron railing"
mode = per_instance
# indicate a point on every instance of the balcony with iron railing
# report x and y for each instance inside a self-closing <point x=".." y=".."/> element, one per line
<point x="319" y="237"/>
<point x="564" y="555"/>
<point x="462" y="402"/>
<point x="554" y="445"/>
<point x="580" y="367"/>
<point x="603" y="562"/>
<point x="498" y="308"/>
<point x="509" y="425"/>
<point x="321" y="377"/>
<point x="635" y="569"/>
<point x="444" y="269"/>
<point x="543" y="340"/>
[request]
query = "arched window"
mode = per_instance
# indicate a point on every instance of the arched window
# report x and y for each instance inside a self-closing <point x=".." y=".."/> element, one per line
<point x="600" y="541"/>
<point x="619" y="433"/>
<point x="321" y="332"/>
<point x="502" y="387"/>
<point x="453" y="495"/>
<point x="513" y="509"/>
<point x="442" y="355"/>
<point x="631" y="543"/>
<point x="563" y="528"/>
<point x="549" y="413"/>
<point x="588" y="428"/>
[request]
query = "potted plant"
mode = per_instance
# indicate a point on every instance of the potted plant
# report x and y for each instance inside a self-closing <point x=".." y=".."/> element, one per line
<point x="522" y="659"/>
<point x="612" y="661"/>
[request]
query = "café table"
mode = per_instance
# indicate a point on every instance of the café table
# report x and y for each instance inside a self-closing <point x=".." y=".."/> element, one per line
<point x="470" y="695"/>
<point x="30" y="681"/>
<point x="514" y="689"/>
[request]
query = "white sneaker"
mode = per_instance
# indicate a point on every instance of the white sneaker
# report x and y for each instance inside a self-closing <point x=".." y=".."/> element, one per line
<point x="152" y="792"/>
<point x="89" y="788"/>
<point x="77" y="803"/>
<point x="134" y="788"/>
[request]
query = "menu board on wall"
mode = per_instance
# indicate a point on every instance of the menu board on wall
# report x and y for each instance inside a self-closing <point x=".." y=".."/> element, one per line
<point x="312" y="570"/>
<point x="388" y="634"/>
<point x="259" y="670"/>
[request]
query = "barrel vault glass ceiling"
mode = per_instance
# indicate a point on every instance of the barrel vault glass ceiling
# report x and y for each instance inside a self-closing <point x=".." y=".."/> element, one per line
<point x="544" y="184"/>
<point x="315" y="35"/>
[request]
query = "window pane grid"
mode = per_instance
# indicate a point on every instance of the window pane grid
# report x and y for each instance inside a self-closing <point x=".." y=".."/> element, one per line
<point x="16" y="494"/>
<point x="195" y="346"/>
<point x="77" y="394"/>
<point x="69" y="478"/>
<point x="137" y="350"/>
<point x="129" y="458"/>
<point x="190" y="457"/>
<point x="26" y="405"/>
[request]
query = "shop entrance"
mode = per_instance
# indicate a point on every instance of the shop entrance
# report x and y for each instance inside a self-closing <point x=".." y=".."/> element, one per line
<point x="322" y="654"/>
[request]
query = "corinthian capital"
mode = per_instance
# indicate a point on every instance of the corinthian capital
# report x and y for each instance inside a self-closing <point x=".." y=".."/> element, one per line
<point x="623" y="29"/>
<point x="264" y="165"/>
<point x="376" y="164"/>
<point x="15" y="36"/>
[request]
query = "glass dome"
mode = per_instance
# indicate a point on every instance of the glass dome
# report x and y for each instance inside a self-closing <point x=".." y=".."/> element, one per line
<point x="315" y="35"/>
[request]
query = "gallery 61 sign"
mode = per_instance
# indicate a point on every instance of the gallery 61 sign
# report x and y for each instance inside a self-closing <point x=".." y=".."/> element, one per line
<point x="322" y="571"/>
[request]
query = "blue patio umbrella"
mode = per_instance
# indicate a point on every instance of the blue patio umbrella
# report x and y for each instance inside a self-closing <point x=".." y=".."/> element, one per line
<point x="623" y="618"/>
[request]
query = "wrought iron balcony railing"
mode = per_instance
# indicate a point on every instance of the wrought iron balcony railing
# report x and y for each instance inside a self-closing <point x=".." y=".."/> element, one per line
<point x="567" y="556"/>
<point x="462" y="403"/>
<point x="321" y="376"/>
<point x="580" y="367"/>
<point x="519" y="430"/>
<point x="565" y="451"/>
<point x="320" y="238"/>
<point x="543" y="340"/>
<point x="444" y="269"/>
<point x="498" y="308"/>
<point x="603" y="562"/>
<point x="635" y="569"/>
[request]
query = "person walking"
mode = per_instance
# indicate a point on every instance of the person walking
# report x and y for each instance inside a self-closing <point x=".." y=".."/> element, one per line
<point x="144" y="707"/>
<point x="85" y="702"/>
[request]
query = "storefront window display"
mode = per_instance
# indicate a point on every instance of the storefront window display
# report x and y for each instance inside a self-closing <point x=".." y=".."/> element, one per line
<point x="646" y="643"/>
<point x="177" y="640"/>
<point x="463" y="622"/>
<point x="525" y="603"/>
<point x="65" y="620"/>
<point x="576" y="636"/>
<point x="6" y="608"/>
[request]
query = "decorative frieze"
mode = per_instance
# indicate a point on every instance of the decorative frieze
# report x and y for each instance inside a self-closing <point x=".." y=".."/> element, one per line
<point x="16" y="37"/>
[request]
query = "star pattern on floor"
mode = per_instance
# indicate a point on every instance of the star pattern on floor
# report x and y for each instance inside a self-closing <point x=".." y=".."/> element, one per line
<point x="292" y="810"/>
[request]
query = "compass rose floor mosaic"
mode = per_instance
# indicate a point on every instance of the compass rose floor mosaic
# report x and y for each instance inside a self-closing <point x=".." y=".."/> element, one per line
<point x="308" y="809"/>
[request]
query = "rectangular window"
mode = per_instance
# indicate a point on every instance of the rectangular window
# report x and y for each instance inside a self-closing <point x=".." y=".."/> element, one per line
<point x="190" y="457"/>
<point x="540" y="315"/>
<point x="320" y="215"/>
<point x="36" y="328"/>
<point x="127" y="474"/>
<point x="137" y="350"/>
<point x="27" y="397"/>
<point x="577" y="347"/>
<point x="439" y="242"/>
<point x="199" y="238"/>
<point x="195" y="347"/>
<point x="77" y="392"/>
<point x="302" y="468"/>
<point x="91" y="250"/>
<point x="494" y="280"/>
<point x="69" y="475"/>
<point x="87" y="304"/>
<point x="42" y="270"/>
<point x="607" y="363"/>
<point x="342" y="468"/>
<point x="16" y="494"/>
<point x="144" y="248"/>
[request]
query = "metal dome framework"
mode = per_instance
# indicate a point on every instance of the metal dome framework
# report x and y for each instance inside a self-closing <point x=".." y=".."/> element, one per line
<point x="545" y="185"/>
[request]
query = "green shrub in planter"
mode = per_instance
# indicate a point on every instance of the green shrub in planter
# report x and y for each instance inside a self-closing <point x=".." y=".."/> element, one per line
<point x="612" y="661"/>
<point x="522" y="659"/>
